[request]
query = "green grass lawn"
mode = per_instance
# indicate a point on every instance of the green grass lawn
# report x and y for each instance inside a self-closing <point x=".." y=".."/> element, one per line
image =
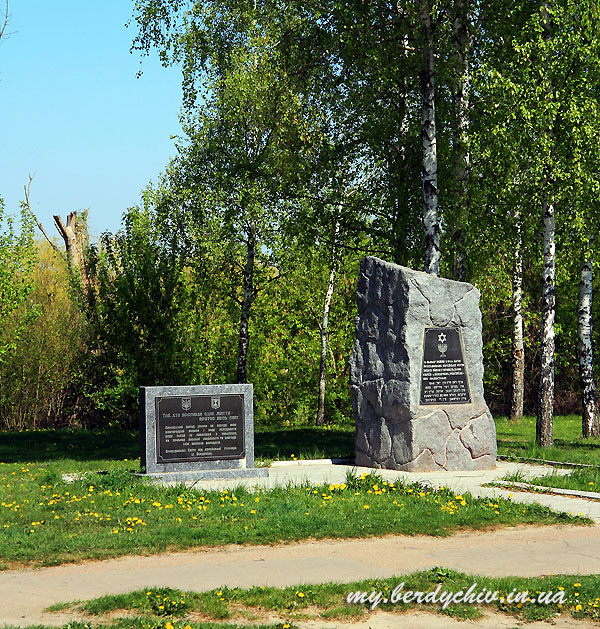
<point x="166" y="608"/>
<point x="579" y="479"/>
<point x="44" y="521"/>
<point x="517" y="440"/>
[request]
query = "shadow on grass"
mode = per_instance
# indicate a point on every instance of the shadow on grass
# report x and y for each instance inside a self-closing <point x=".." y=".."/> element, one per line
<point x="79" y="445"/>
<point x="576" y="451"/>
<point x="305" y="443"/>
<point x="116" y="445"/>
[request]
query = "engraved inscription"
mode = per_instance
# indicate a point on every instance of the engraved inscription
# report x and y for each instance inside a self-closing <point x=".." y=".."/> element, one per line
<point x="443" y="374"/>
<point x="199" y="428"/>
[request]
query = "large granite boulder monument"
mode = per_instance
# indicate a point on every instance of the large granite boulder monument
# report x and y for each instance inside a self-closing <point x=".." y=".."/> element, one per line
<point x="416" y="373"/>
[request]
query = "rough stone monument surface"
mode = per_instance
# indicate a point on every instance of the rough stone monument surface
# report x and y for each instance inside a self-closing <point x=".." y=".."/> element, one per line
<point x="198" y="432"/>
<point x="416" y="373"/>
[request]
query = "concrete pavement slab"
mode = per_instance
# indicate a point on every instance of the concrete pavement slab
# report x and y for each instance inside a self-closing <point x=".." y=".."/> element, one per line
<point x="521" y="551"/>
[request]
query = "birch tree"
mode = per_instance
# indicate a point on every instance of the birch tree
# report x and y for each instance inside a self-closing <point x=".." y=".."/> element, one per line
<point x="429" y="172"/>
<point x="462" y="39"/>
<point x="325" y="321"/>
<point x="248" y="127"/>
<point x="518" y="350"/>
<point x="589" y="397"/>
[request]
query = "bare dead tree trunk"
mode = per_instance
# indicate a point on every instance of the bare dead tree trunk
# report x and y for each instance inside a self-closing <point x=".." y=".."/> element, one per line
<point x="74" y="235"/>
<point x="429" y="145"/>
<point x="325" y="323"/>
<point x="589" y="398"/>
<point x="518" y="352"/>
<point x="462" y="40"/>
<point x="247" y="299"/>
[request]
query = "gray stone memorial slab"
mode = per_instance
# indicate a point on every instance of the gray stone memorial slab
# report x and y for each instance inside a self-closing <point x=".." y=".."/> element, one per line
<point x="416" y="373"/>
<point x="198" y="432"/>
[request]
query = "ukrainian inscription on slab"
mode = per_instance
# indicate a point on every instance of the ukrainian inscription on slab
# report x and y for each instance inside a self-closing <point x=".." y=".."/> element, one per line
<point x="199" y="428"/>
<point x="443" y="374"/>
<point x="198" y="432"/>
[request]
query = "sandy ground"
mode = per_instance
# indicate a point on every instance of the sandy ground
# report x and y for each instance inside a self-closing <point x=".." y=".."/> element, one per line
<point x="519" y="551"/>
<point x="414" y="620"/>
<point x="423" y="620"/>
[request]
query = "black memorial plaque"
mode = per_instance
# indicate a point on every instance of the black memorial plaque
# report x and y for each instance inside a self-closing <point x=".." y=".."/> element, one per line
<point x="443" y="374"/>
<point x="199" y="428"/>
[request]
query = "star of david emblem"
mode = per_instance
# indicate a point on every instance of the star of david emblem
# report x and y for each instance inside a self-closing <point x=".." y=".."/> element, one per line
<point x="442" y="345"/>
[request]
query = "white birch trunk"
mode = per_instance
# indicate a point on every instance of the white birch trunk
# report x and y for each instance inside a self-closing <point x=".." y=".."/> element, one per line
<point x="589" y="398"/>
<point x="518" y="352"/>
<point x="325" y="324"/>
<point x="429" y="146"/>
<point x="247" y="299"/>
<point x="544" y="426"/>
<point x="462" y="43"/>
<point x="544" y="430"/>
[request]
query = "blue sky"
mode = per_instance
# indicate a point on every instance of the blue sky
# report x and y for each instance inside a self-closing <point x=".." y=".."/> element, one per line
<point x="73" y="111"/>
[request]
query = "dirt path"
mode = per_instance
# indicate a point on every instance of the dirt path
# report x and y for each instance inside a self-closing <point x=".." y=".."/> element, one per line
<point x="520" y="551"/>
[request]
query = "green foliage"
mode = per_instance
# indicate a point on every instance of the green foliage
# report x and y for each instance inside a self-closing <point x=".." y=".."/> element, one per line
<point x="137" y="300"/>
<point x="300" y="116"/>
<point x="284" y="354"/>
<point x="16" y="263"/>
<point x="20" y="304"/>
<point x="42" y="380"/>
